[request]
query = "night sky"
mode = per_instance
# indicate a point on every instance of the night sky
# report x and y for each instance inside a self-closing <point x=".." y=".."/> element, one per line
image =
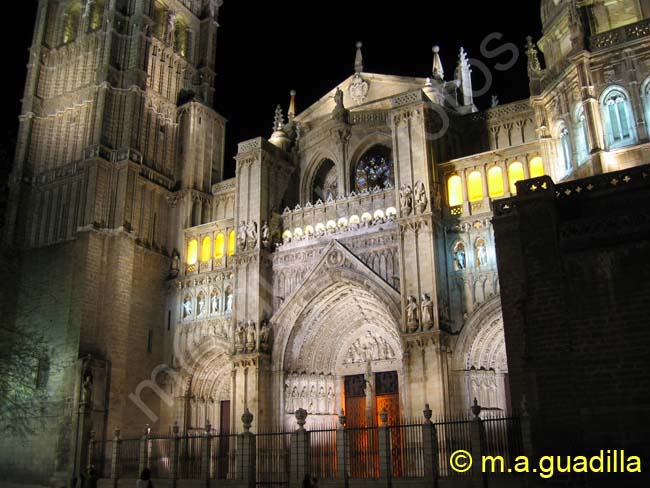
<point x="267" y="48"/>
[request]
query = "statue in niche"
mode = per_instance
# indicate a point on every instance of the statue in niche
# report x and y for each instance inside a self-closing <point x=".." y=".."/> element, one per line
<point x="386" y="350"/>
<point x="427" y="310"/>
<point x="322" y="407"/>
<point x="265" y="335"/>
<point x="481" y="253"/>
<point x="420" y="195"/>
<point x="406" y="199"/>
<point x="330" y="400"/>
<point x="412" y="314"/>
<point x="240" y="337"/>
<point x="175" y="266"/>
<point x="241" y="236"/>
<point x="214" y="302"/>
<point x="303" y="398"/>
<point x="287" y="398"/>
<point x="312" y="399"/>
<point x="200" y="304"/>
<point x="171" y="25"/>
<point x="266" y="235"/>
<point x="228" y="299"/>
<point x="187" y="307"/>
<point x="251" y="337"/>
<point x="86" y="381"/>
<point x="372" y="347"/>
<point x="338" y="99"/>
<point x="251" y="234"/>
<point x="294" y="400"/>
<point x="460" y="259"/>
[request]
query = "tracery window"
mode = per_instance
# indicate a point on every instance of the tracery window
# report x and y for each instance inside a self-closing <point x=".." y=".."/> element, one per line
<point x="374" y="169"/>
<point x="325" y="185"/>
<point x="619" y="130"/>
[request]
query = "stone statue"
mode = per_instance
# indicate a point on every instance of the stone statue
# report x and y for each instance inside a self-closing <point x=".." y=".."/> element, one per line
<point x="251" y="234"/>
<point x="265" y="335"/>
<point x="420" y="195"/>
<point x="240" y="334"/>
<point x="171" y="25"/>
<point x="200" y="304"/>
<point x="266" y="235"/>
<point x="460" y="260"/>
<point x="412" y="314"/>
<point x="481" y="253"/>
<point x="214" y="300"/>
<point x="251" y="336"/>
<point x="338" y="99"/>
<point x="241" y="235"/>
<point x="175" y="267"/>
<point x="427" y="310"/>
<point x="228" y="300"/>
<point x="406" y="199"/>
<point x="322" y="407"/>
<point x="187" y="307"/>
<point x="86" y="382"/>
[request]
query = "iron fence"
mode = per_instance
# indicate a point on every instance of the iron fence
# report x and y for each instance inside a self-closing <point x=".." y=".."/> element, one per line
<point x="452" y="436"/>
<point x="322" y="453"/>
<point x="407" y="456"/>
<point x="159" y="450"/>
<point x="102" y="458"/>
<point x="273" y="458"/>
<point x="222" y="464"/>
<point x="362" y="452"/>
<point x="129" y="459"/>
<point x="189" y="456"/>
<point x="503" y="438"/>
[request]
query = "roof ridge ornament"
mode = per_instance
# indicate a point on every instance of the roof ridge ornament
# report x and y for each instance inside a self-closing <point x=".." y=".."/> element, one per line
<point x="438" y="70"/>
<point x="358" y="60"/>
<point x="292" y="105"/>
<point x="358" y="89"/>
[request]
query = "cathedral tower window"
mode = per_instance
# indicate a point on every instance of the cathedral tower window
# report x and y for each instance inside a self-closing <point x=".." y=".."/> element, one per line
<point x="617" y="114"/>
<point x="232" y="243"/>
<point x="159" y="16"/>
<point x="205" y="249"/>
<point x="495" y="182"/>
<point x="475" y="186"/>
<point x="181" y="38"/>
<point x="192" y="252"/>
<point x="374" y="169"/>
<point x="325" y="184"/>
<point x="515" y="174"/>
<point x="536" y="167"/>
<point x="97" y="15"/>
<point x="71" y="22"/>
<point x="582" y="136"/>
<point x="219" y="246"/>
<point x="455" y="191"/>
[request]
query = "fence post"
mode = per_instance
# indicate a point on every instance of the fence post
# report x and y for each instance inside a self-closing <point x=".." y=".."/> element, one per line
<point x="173" y="454"/>
<point x="385" y="463"/>
<point x="144" y="450"/>
<point x="342" y="450"/>
<point x="299" y="465"/>
<point x="115" y="460"/>
<point x="477" y="447"/>
<point x="430" y="448"/>
<point x="246" y="470"/>
<point x="206" y="455"/>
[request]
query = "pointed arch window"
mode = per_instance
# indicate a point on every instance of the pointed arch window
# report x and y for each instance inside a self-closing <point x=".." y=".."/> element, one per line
<point x="374" y="169"/>
<point x="617" y="114"/>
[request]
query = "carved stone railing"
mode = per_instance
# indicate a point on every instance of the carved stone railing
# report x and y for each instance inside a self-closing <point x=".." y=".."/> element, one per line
<point x="620" y="35"/>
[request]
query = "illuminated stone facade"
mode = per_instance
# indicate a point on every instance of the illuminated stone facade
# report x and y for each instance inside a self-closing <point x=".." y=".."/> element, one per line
<point x="355" y="243"/>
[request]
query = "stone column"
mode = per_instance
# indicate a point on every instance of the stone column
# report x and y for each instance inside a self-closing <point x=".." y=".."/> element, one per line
<point x="342" y="454"/>
<point x="430" y="448"/>
<point x="115" y="460"/>
<point x="144" y="449"/>
<point x="206" y="454"/>
<point x="385" y="462"/>
<point x="246" y="469"/>
<point x="174" y="451"/>
<point x="477" y="438"/>
<point x="299" y="455"/>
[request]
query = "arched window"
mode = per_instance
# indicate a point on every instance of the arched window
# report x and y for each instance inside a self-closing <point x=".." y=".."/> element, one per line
<point x="232" y="243"/>
<point x="192" y="252"/>
<point x="325" y="184"/>
<point x="582" y="136"/>
<point x="617" y="114"/>
<point x="495" y="182"/>
<point x="219" y="246"/>
<point x="475" y="186"/>
<point x="374" y="169"/>
<point x="181" y="35"/>
<point x="455" y="191"/>
<point x="205" y="249"/>
<point x="159" y="16"/>
<point x="565" y="148"/>
<point x="515" y="174"/>
<point x="536" y="167"/>
<point x="71" y="22"/>
<point x="97" y="15"/>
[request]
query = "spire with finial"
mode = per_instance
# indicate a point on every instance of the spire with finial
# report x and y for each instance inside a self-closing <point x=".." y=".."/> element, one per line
<point x="438" y="71"/>
<point x="464" y="75"/>
<point x="534" y="65"/>
<point x="278" y="120"/>
<point x="292" y="105"/>
<point x="358" y="60"/>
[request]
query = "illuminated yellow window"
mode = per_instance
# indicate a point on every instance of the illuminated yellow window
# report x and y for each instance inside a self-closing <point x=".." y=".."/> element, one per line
<point x="192" y="252"/>
<point x="231" y="243"/>
<point x="515" y="174"/>
<point x="97" y="15"/>
<point x="219" y="246"/>
<point x="495" y="182"/>
<point x="205" y="249"/>
<point x="455" y="191"/>
<point x="475" y="186"/>
<point x="536" y="167"/>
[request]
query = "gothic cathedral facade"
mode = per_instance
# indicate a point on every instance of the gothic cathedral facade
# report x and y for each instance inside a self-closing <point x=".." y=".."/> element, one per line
<point x="349" y="265"/>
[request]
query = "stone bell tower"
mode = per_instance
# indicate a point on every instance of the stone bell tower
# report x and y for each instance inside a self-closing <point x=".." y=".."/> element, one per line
<point x="118" y="147"/>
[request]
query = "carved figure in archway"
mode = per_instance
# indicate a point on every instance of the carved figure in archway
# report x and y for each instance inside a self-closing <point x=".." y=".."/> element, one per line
<point x="427" y="311"/>
<point x="412" y="314"/>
